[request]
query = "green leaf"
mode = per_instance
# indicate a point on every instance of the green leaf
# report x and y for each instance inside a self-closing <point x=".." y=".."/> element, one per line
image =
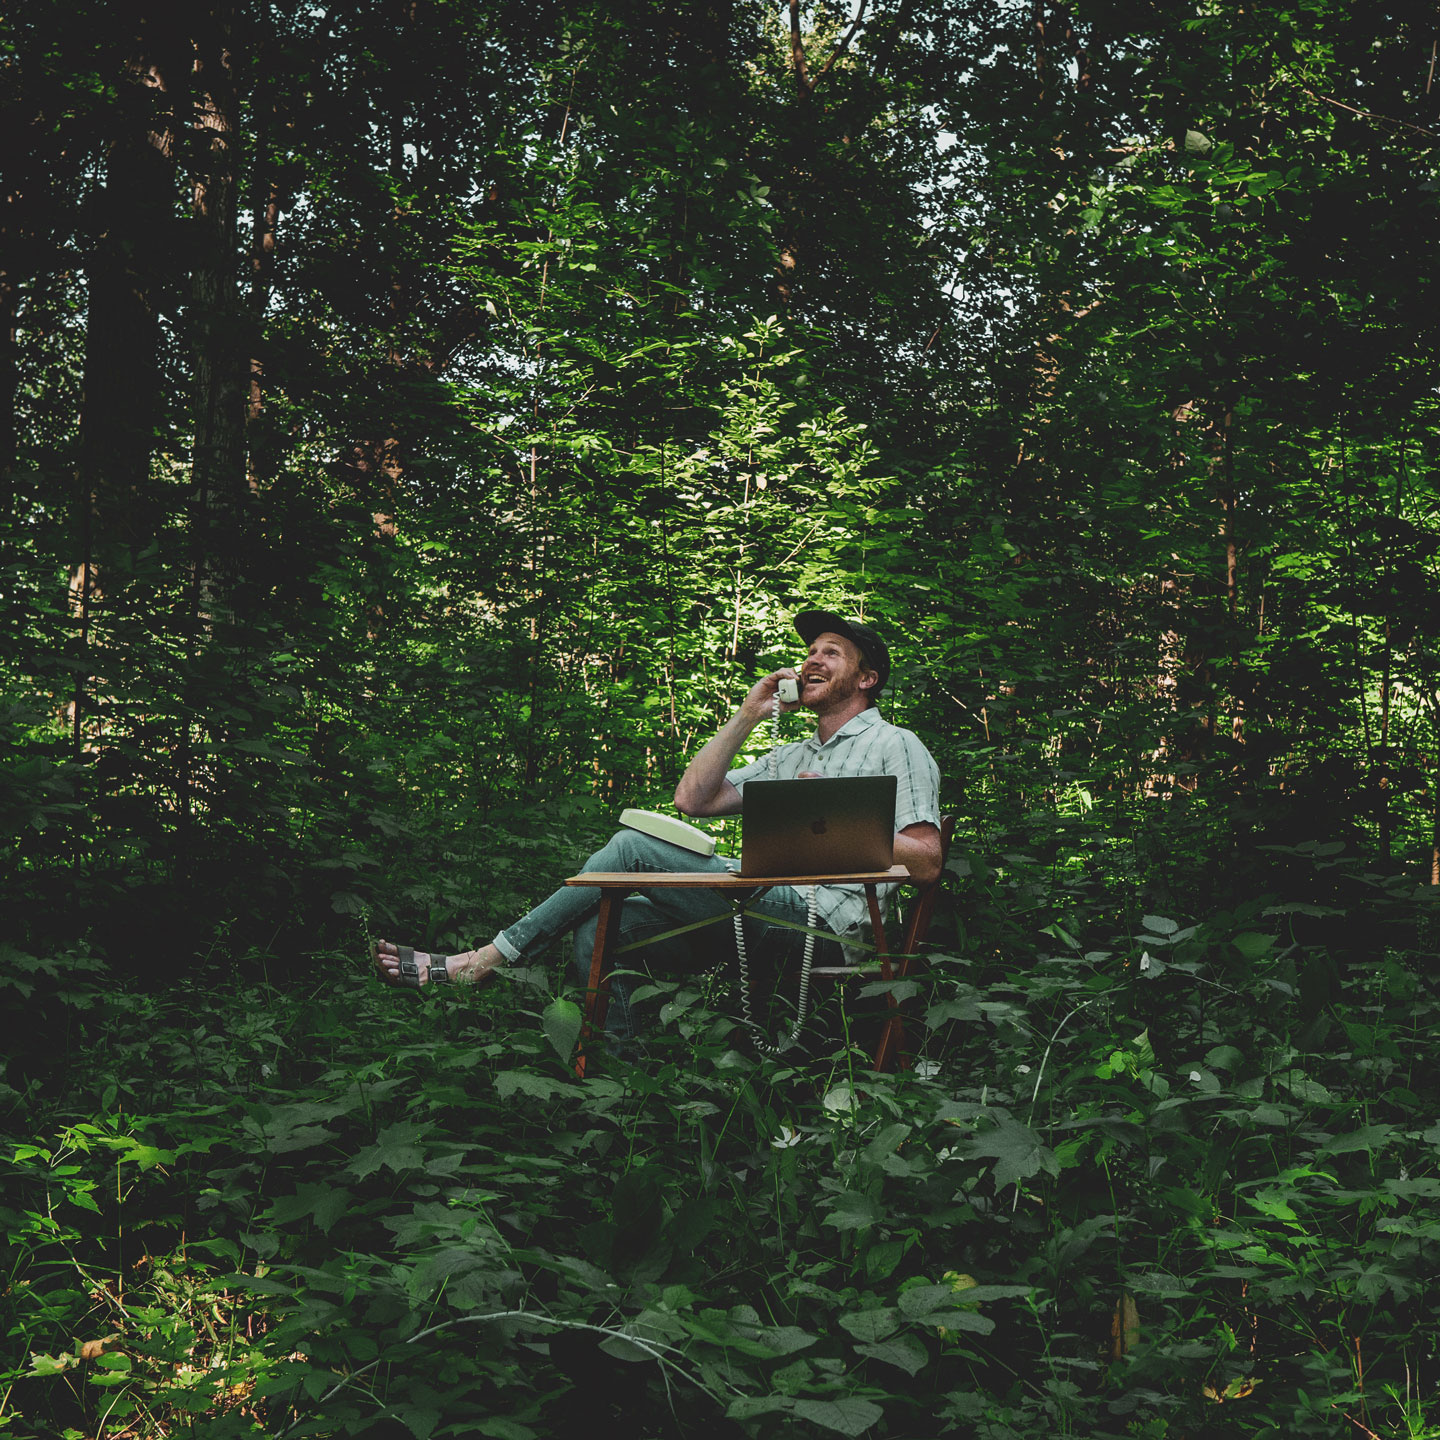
<point x="1302" y="1086"/>
<point x="501" y="1428"/>
<point x="83" y="1198"/>
<point x="881" y="1259"/>
<point x="148" y="1156"/>
<point x="887" y="1141"/>
<point x="1224" y="1057"/>
<point x="961" y="1319"/>
<point x="904" y="1352"/>
<point x="302" y="1137"/>
<point x="921" y="1301"/>
<point x="420" y="1419"/>
<point x="902" y="990"/>
<point x="871" y="1325"/>
<point x="1253" y="945"/>
<point x="845" y="1417"/>
<point x="541" y="1087"/>
<point x="1368" y="1137"/>
<point x="852" y="1211"/>
<point x="980" y="1294"/>
<point x="561" y="1023"/>
<point x="1017" y="1150"/>
<point x="323" y="1202"/>
<point x="748" y="1406"/>
<point x="964" y="1009"/>
<point x="259" y="1284"/>
<point x="396" y="1148"/>
<point x="624" y="1348"/>
<point x="786" y="1339"/>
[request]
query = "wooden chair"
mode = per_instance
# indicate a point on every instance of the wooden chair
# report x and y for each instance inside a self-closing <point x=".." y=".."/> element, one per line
<point x="891" y="1048"/>
<point x="614" y="887"/>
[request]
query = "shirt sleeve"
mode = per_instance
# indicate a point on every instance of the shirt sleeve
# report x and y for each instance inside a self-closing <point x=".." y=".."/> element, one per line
<point x="755" y="769"/>
<point x="917" y="792"/>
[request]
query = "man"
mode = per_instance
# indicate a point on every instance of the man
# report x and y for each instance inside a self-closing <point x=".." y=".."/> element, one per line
<point x="845" y="669"/>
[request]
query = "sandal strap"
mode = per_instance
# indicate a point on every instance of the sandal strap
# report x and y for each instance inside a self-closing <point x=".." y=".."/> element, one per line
<point x="436" y="972"/>
<point x="409" y="970"/>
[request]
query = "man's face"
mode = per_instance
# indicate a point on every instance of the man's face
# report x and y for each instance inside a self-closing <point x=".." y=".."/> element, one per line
<point x="833" y="672"/>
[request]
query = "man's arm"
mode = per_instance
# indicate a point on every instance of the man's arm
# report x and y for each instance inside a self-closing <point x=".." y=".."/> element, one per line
<point x="703" y="788"/>
<point x="917" y="848"/>
<point x="917" y="844"/>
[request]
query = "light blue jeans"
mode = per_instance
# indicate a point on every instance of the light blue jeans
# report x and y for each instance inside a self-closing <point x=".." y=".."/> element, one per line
<point x="576" y="908"/>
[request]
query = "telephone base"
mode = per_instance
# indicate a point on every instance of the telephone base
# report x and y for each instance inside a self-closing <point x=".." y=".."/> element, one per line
<point x="667" y="827"/>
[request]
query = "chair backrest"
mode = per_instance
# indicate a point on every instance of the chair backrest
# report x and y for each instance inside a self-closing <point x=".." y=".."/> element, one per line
<point x="922" y="908"/>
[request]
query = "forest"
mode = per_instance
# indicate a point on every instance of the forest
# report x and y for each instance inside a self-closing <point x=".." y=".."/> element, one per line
<point x="421" y="420"/>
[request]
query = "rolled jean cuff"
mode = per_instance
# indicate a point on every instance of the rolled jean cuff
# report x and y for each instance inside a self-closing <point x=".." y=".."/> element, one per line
<point x="504" y="946"/>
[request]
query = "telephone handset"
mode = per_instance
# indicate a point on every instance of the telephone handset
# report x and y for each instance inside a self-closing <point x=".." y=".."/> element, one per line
<point x="788" y="692"/>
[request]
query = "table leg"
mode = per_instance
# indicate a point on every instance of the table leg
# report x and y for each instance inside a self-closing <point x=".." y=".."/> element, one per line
<point x="597" y="990"/>
<point x="877" y="924"/>
<point x="892" y="1032"/>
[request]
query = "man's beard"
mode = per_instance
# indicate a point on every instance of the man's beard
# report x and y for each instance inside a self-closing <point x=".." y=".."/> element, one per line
<point x="839" y="689"/>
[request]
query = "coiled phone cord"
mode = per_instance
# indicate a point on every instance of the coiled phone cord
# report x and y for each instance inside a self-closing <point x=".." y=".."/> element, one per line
<point x="802" y="1003"/>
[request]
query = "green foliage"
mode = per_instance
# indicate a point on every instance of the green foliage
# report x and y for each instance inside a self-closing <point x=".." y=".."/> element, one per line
<point x="1085" y="350"/>
<point x="1155" y="1181"/>
<point x="1081" y="357"/>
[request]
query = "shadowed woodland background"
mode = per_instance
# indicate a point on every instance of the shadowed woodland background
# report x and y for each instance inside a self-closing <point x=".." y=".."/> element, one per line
<point x="420" y="421"/>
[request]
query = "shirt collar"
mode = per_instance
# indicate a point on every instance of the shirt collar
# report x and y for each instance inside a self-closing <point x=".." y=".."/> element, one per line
<point x="854" y="725"/>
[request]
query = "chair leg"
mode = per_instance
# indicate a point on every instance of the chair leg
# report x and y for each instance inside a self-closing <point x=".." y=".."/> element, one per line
<point x="597" y="990"/>
<point x="893" y="1050"/>
<point x="892" y="1031"/>
<point x="892" y="1046"/>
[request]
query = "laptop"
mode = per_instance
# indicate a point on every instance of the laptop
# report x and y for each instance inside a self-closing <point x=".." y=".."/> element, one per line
<point x="810" y="827"/>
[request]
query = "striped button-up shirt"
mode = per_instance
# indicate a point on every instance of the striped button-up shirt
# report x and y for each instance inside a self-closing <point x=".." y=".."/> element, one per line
<point x="867" y="744"/>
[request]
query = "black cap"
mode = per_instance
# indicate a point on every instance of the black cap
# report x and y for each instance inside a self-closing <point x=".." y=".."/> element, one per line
<point x="873" y="651"/>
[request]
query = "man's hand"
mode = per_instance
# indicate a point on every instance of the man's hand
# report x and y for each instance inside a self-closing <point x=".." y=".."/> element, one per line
<point x="762" y="694"/>
<point x="703" y="788"/>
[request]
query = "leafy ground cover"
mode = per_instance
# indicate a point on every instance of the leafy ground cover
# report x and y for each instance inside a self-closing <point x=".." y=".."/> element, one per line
<point x="1180" y="1183"/>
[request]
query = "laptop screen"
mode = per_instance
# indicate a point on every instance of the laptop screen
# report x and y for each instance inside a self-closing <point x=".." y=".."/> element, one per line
<point x="829" y="826"/>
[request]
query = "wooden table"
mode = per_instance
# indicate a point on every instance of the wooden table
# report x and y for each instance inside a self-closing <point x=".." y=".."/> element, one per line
<point x="741" y="890"/>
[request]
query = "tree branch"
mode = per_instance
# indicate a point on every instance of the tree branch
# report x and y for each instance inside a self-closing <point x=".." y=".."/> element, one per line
<point x="844" y="45"/>
<point x="1371" y="114"/>
<point x="797" y="51"/>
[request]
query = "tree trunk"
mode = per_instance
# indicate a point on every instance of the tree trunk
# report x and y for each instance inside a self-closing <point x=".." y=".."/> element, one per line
<point x="217" y="323"/>
<point x="267" y="128"/>
<point x="127" y="269"/>
<point x="1435" y="823"/>
<point x="262" y="264"/>
<point x="9" y="389"/>
<point x="129" y="264"/>
<point x="1223" y="468"/>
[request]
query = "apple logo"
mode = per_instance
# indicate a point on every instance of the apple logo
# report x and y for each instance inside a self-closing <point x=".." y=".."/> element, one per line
<point x="817" y="827"/>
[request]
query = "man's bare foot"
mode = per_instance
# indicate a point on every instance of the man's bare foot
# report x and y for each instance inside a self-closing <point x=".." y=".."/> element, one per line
<point x="468" y="968"/>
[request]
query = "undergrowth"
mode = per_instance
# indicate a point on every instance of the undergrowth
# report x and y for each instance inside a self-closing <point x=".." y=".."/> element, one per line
<point x="1170" y="1177"/>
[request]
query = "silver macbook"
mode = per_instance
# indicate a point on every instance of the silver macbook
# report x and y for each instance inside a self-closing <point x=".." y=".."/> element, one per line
<point x="828" y="826"/>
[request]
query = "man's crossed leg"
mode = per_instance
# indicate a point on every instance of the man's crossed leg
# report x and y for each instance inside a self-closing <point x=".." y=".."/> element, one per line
<point x="575" y="908"/>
